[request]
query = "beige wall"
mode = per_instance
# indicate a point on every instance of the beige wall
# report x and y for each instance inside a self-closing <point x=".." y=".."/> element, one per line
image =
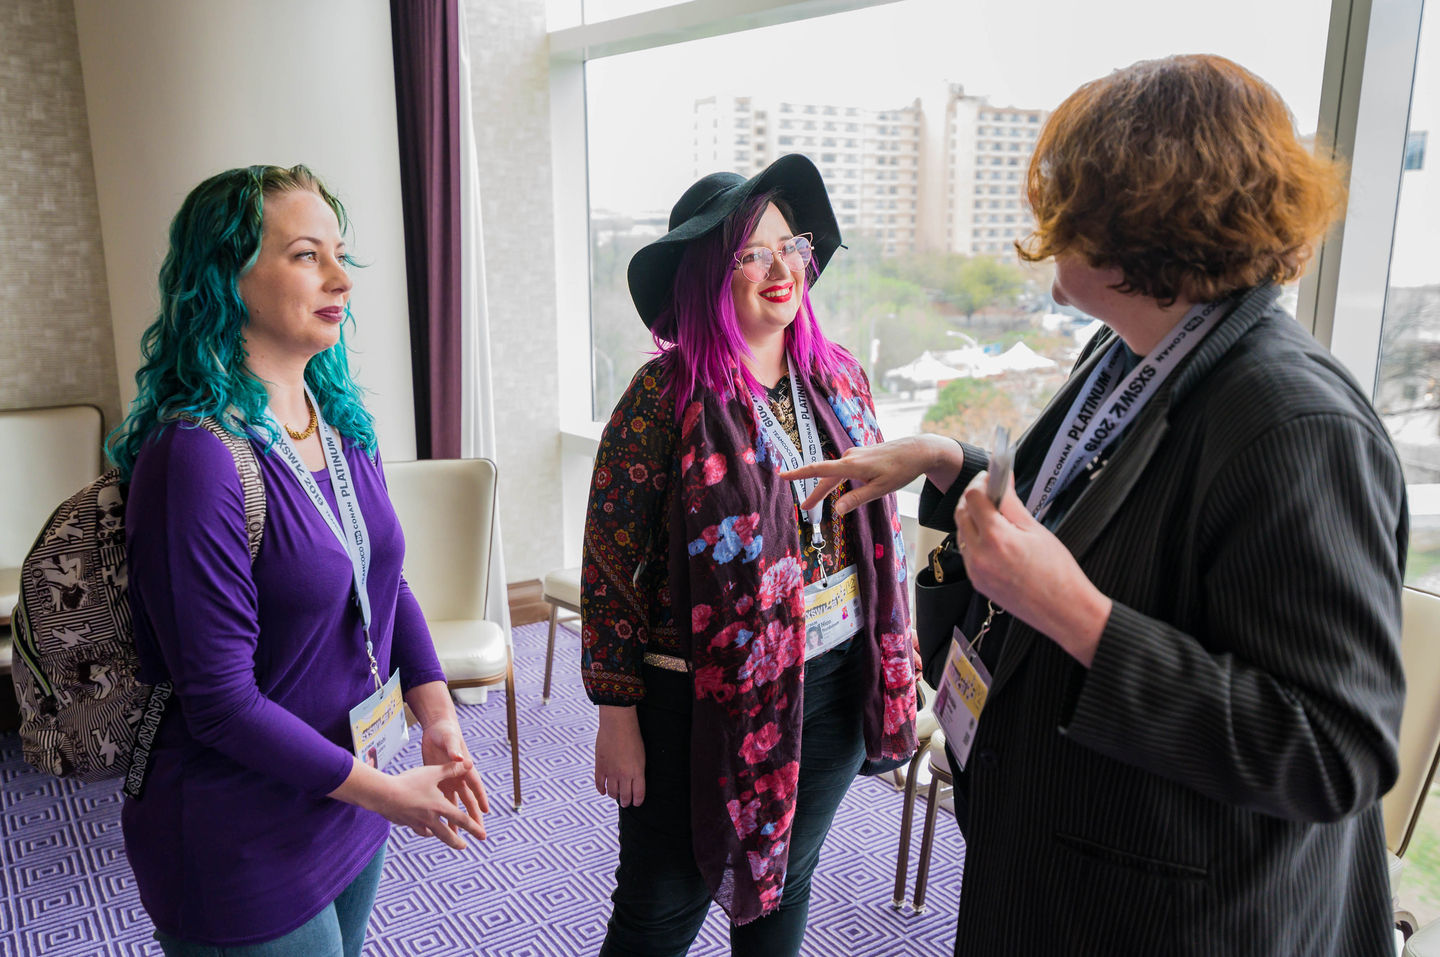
<point x="510" y="82"/>
<point x="55" y="340"/>
<point x="180" y="89"/>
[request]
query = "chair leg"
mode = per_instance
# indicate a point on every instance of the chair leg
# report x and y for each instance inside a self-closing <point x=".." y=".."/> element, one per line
<point x="902" y="858"/>
<point x="927" y="844"/>
<point x="511" y="724"/>
<point x="550" y="654"/>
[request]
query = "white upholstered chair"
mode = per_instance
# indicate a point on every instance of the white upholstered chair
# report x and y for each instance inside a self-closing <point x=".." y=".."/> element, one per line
<point x="1419" y="749"/>
<point x="50" y="454"/>
<point x="562" y="590"/>
<point x="447" y="509"/>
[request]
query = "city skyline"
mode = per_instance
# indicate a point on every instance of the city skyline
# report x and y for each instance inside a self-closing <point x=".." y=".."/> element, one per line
<point x="940" y="174"/>
<point x="641" y="105"/>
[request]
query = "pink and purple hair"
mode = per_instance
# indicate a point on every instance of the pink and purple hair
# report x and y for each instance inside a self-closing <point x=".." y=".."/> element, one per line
<point x="699" y="335"/>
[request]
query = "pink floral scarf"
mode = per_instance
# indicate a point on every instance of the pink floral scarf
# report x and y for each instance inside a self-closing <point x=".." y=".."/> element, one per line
<point x="735" y="550"/>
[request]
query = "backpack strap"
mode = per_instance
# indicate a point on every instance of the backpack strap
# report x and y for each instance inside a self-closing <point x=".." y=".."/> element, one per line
<point x="251" y="482"/>
<point x="253" y="487"/>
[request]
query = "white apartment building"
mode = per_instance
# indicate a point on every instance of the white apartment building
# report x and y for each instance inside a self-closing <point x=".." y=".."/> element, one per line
<point x="989" y="152"/>
<point x="902" y="177"/>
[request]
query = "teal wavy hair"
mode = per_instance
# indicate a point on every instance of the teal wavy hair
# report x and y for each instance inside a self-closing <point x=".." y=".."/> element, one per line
<point x="193" y="354"/>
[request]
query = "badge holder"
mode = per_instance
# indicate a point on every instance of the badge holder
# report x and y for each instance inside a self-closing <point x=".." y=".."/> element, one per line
<point x="377" y="724"/>
<point x="832" y="611"/>
<point x="963" y="689"/>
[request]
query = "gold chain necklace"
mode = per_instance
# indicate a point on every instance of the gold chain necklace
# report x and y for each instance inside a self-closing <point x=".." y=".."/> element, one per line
<point x="314" y="424"/>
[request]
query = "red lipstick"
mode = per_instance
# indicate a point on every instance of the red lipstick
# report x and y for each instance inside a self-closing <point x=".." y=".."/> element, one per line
<point x="780" y="292"/>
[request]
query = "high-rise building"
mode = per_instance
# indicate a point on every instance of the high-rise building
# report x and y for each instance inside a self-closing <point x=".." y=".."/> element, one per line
<point x="990" y="151"/>
<point x="913" y="179"/>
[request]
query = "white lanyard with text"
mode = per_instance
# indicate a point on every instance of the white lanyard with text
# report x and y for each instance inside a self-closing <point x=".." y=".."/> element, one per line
<point x="354" y="537"/>
<point x="1105" y="405"/>
<point x="794" y="458"/>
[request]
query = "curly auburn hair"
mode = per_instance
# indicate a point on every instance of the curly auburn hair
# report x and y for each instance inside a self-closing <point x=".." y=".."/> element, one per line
<point x="1186" y="174"/>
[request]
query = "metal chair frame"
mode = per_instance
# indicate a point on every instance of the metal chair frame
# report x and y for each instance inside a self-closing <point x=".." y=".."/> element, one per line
<point x="555" y="605"/>
<point x="942" y="785"/>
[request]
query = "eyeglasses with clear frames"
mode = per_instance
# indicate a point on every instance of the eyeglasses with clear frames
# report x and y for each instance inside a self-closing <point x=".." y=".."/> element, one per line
<point x="795" y="253"/>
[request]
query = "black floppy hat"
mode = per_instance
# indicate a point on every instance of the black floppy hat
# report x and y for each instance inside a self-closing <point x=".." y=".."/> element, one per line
<point x="705" y="205"/>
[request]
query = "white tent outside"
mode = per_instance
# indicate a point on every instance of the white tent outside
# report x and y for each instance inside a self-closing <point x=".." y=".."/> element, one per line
<point x="1021" y="358"/>
<point x="926" y="371"/>
<point x="974" y="361"/>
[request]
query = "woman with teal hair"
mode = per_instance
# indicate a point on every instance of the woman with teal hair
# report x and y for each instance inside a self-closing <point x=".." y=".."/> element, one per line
<point x="261" y="828"/>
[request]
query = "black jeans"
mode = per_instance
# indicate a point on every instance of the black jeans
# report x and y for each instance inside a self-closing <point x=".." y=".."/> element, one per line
<point x="660" y="898"/>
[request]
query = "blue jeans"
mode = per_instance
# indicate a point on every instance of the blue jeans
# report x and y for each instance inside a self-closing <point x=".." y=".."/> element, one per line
<point x="337" y="931"/>
<point x="660" y="898"/>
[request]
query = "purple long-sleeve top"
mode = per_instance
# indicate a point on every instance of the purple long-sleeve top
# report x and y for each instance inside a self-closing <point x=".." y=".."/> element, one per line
<point x="234" y="840"/>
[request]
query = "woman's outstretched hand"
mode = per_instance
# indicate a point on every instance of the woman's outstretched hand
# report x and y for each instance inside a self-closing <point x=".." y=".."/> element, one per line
<point x="1023" y="568"/>
<point x="415" y="799"/>
<point x="875" y="471"/>
<point x="620" y="756"/>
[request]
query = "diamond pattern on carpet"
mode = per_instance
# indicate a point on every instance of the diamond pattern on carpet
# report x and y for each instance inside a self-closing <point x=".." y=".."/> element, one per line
<point x="538" y="887"/>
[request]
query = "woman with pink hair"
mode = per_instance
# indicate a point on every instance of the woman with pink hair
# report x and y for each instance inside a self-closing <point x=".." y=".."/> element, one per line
<point x="748" y="657"/>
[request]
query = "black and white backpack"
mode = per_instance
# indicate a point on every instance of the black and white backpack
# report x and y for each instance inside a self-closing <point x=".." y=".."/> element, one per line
<point x="83" y="712"/>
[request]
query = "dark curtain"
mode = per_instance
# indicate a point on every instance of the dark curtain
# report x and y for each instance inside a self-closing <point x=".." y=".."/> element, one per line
<point x="426" y="39"/>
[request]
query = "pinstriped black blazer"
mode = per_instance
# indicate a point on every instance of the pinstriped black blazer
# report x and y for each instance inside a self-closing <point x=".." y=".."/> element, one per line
<point x="1211" y="785"/>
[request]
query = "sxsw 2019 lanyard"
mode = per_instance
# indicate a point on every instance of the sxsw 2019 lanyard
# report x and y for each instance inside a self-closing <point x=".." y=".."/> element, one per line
<point x="1100" y="411"/>
<point x="1105" y="405"/>
<point x="354" y="537"/>
<point x="794" y="458"/>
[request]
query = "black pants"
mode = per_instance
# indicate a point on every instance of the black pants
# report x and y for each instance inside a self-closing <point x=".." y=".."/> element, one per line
<point x="660" y="898"/>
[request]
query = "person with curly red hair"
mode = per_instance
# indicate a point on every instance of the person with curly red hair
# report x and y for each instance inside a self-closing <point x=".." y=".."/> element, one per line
<point x="1193" y="581"/>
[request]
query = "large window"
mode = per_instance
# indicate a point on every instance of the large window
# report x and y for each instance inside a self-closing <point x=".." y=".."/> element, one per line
<point x="921" y="116"/>
<point x="1407" y="393"/>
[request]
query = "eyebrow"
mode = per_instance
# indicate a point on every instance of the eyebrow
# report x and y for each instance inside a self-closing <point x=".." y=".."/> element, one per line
<point x="786" y="239"/>
<point x="310" y="239"/>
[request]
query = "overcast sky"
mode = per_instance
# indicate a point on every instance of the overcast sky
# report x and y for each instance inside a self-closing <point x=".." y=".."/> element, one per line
<point x="1030" y="54"/>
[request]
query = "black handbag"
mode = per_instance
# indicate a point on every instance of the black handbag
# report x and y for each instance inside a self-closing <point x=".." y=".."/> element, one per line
<point x="943" y="598"/>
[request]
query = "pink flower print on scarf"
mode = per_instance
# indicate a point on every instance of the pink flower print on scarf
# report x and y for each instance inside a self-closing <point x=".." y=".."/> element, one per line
<point x="758" y="743"/>
<point x="780" y="782"/>
<point x="898" y="672"/>
<point x="770" y="864"/>
<point x="744" y="817"/>
<point x="776" y="649"/>
<point x="900" y="711"/>
<point x="783" y="578"/>
<point x="710" y="682"/>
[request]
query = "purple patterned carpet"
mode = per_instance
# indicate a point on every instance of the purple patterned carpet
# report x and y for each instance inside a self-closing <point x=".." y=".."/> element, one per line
<point x="539" y="886"/>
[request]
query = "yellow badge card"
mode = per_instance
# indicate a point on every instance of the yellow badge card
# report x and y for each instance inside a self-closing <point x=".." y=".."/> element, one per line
<point x="377" y="725"/>
<point x="832" y="611"/>
<point x="961" y="696"/>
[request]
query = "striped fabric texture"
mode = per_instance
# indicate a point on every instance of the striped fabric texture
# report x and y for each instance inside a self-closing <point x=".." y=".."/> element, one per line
<point x="1211" y="785"/>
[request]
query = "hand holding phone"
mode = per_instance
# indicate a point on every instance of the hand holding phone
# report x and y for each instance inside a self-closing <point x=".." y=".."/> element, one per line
<point x="1002" y="459"/>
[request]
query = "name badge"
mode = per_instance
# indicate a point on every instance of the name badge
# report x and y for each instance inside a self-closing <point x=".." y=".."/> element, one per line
<point x="377" y="725"/>
<point x="832" y="611"/>
<point x="961" y="696"/>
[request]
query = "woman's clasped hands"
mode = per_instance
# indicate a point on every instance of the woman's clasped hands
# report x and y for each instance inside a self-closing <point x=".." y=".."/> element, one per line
<point x="424" y="799"/>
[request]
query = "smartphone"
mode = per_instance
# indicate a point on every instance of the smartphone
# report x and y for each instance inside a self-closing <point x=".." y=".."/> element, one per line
<point x="1002" y="458"/>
